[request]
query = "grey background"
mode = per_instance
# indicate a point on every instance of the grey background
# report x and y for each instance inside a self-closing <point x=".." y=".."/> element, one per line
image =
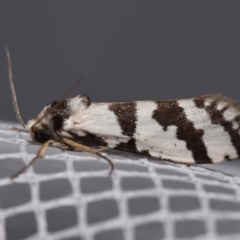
<point x="125" y="50"/>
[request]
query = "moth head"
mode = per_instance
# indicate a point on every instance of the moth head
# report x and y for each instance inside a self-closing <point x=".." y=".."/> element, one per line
<point x="42" y="135"/>
<point x="49" y="124"/>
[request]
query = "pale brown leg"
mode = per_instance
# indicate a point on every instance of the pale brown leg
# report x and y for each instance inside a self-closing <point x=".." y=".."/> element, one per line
<point x="84" y="148"/>
<point x="18" y="129"/>
<point x="109" y="162"/>
<point x="40" y="154"/>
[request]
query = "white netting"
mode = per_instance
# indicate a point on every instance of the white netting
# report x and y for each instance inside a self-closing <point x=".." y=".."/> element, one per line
<point x="69" y="195"/>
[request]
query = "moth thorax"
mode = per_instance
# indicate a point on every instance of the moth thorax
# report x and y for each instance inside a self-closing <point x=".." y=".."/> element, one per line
<point x="81" y="102"/>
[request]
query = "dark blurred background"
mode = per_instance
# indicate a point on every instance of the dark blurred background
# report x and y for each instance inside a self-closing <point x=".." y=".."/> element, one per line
<point x="126" y="50"/>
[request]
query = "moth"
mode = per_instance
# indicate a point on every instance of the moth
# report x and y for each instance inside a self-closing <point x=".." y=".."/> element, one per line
<point x="198" y="130"/>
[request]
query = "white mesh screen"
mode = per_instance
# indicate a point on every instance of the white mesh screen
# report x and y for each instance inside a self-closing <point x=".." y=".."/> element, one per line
<point x="69" y="195"/>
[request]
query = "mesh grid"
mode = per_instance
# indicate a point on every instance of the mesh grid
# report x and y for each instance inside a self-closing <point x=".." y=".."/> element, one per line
<point x="69" y="195"/>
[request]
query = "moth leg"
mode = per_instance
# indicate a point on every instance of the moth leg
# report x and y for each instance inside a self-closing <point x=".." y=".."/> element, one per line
<point x="109" y="162"/>
<point x="40" y="154"/>
<point x="84" y="148"/>
<point x="18" y="129"/>
<point x="95" y="151"/>
<point x="101" y="149"/>
<point x="81" y="147"/>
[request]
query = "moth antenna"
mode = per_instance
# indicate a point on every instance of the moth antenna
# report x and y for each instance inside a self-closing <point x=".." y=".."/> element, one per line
<point x="14" y="96"/>
<point x="59" y="102"/>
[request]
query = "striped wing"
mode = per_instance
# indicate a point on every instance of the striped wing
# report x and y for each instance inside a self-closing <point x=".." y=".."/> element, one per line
<point x="197" y="130"/>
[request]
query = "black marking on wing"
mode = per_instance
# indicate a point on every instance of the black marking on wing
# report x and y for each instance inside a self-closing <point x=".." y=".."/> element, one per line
<point x="227" y="158"/>
<point x="146" y="153"/>
<point x="57" y="121"/>
<point x="85" y="100"/>
<point x="126" y="116"/>
<point x="217" y="118"/>
<point x="199" y="102"/>
<point x="59" y="114"/>
<point x="130" y="146"/>
<point x="89" y="140"/>
<point x="170" y="113"/>
<point x="96" y="141"/>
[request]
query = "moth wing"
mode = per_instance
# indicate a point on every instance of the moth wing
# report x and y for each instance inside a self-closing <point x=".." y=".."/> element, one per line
<point x="197" y="130"/>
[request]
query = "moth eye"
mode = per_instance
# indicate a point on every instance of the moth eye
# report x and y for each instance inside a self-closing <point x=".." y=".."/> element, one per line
<point x="42" y="135"/>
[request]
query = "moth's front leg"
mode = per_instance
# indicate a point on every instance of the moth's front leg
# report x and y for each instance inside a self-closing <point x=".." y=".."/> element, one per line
<point x="18" y="129"/>
<point x="40" y="154"/>
<point x="83" y="148"/>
